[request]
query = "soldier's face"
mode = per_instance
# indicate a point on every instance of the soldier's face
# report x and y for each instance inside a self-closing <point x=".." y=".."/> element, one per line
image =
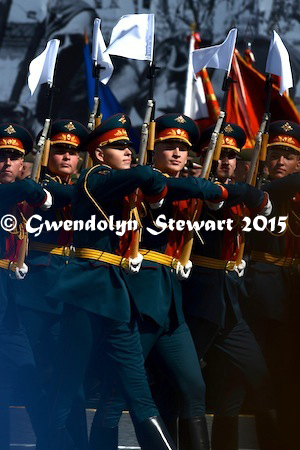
<point x="11" y="165"/>
<point x="63" y="161"/>
<point x="170" y="156"/>
<point x="226" y="165"/>
<point x="118" y="157"/>
<point x="282" y="161"/>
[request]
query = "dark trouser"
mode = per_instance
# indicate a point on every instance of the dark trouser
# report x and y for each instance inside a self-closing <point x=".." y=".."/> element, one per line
<point x="237" y="348"/>
<point x="17" y="367"/>
<point x="175" y="354"/>
<point x="43" y="330"/>
<point x="120" y="342"/>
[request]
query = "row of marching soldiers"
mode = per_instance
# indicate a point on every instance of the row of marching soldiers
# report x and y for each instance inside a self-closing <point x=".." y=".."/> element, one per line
<point x="101" y="297"/>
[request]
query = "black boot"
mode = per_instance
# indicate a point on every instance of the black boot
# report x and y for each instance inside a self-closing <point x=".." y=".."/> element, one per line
<point x="103" y="438"/>
<point x="225" y="433"/>
<point x="153" y="435"/>
<point x="193" y="434"/>
<point x="267" y="430"/>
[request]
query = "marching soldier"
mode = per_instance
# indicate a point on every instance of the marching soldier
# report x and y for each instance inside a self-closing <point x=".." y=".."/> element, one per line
<point x="156" y="292"/>
<point x="211" y="301"/>
<point x="97" y="309"/>
<point x="272" y="278"/>
<point x="17" y="364"/>
<point x="48" y="254"/>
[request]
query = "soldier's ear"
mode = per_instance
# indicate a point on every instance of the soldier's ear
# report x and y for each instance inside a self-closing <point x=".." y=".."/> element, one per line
<point x="99" y="154"/>
<point x="298" y="164"/>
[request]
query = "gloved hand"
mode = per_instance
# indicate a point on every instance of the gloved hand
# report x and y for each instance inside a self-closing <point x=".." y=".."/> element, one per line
<point x="49" y="201"/>
<point x="240" y="269"/>
<point x="183" y="272"/>
<point x="157" y="204"/>
<point x="19" y="274"/>
<point x="134" y="264"/>
<point x="266" y="211"/>
<point x="214" y="206"/>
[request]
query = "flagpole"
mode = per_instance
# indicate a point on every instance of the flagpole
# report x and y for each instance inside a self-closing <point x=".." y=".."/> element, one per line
<point x="42" y="155"/>
<point x="216" y="141"/>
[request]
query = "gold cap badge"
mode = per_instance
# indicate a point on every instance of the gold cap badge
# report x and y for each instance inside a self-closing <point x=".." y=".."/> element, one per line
<point x="122" y="119"/>
<point x="180" y="119"/>
<point x="70" y="126"/>
<point x="10" y="129"/>
<point x="228" y="129"/>
<point x="286" y="127"/>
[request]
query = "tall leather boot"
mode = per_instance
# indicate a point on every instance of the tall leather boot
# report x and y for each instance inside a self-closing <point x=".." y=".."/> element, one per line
<point x="153" y="435"/>
<point x="103" y="438"/>
<point x="193" y="434"/>
<point x="267" y="430"/>
<point x="225" y="433"/>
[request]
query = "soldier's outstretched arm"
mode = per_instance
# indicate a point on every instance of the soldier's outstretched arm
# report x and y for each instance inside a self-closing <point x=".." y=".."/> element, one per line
<point x="107" y="185"/>
<point x="23" y="190"/>
<point x="61" y="193"/>
<point x="256" y="201"/>
<point x="184" y="188"/>
<point x="285" y="187"/>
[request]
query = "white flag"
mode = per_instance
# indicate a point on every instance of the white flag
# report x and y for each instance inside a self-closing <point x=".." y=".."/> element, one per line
<point x="41" y="68"/>
<point x="278" y="63"/>
<point x="217" y="56"/>
<point x="133" y="37"/>
<point x="98" y="55"/>
<point x="195" y="101"/>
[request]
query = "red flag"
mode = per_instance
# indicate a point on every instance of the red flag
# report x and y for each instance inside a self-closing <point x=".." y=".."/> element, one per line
<point x="247" y="97"/>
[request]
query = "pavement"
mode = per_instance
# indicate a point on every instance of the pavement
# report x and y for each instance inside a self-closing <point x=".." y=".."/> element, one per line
<point x="22" y="435"/>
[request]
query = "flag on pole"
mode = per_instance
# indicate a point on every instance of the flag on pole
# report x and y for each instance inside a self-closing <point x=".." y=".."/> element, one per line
<point x="41" y="68"/>
<point x="278" y="63"/>
<point x="217" y="56"/>
<point x="247" y="98"/>
<point x="133" y="37"/>
<point x="109" y="103"/>
<point x="98" y="56"/>
<point x="195" y="101"/>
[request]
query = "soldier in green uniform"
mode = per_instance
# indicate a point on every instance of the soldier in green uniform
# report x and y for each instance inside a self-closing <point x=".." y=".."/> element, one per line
<point x="17" y="364"/>
<point x="48" y="253"/>
<point x="271" y="285"/>
<point x="97" y="306"/>
<point x="212" y="308"/>
<point x="156" y="291"/>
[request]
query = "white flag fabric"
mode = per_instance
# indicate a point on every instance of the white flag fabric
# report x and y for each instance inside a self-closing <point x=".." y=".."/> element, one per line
<point x="98" y="55"/>
<point x="195" y="101"/>
<point x="41" y="68"/>
<point x="217" y="56"/>
<point x="133" y="37"/>
<point x="278" y="63"/>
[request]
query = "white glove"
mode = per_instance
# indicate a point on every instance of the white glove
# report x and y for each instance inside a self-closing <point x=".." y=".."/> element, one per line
<point x="266" y="211"/>
<point x="157" y="204"/>
<point x="134" y="264"/>
<point x="214" y="206"/>
<point x="183" y="272"/>
<point x="240" y="269"/>
<point x="49" y="202"/>
<point x="20" y="274"/>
